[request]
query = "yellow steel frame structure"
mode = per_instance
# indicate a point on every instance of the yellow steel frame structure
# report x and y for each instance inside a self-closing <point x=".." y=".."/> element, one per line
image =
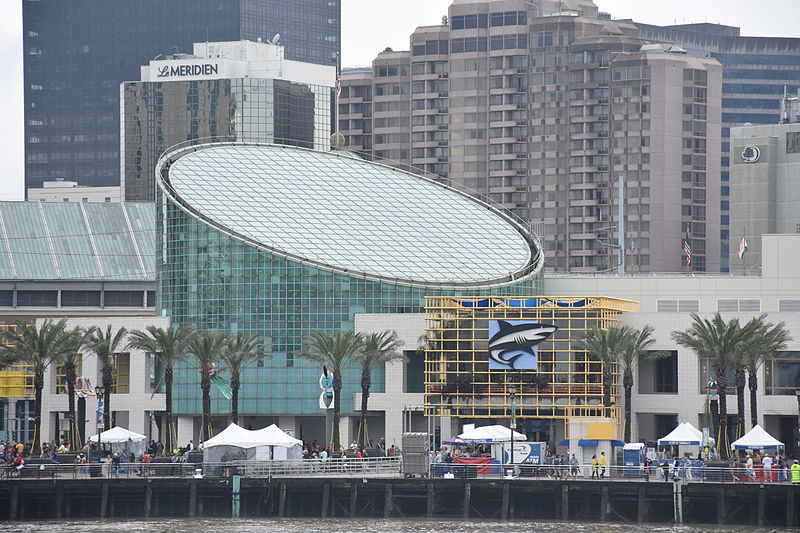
<point x="568" y="382"/>
<point x="16" y="381"/>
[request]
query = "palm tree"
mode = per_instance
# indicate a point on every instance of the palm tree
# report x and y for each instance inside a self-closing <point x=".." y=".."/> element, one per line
<point x="38" y="347"/>
<point x="719" y="342"/>
<point x="335" y="352"/>
<point x="607" y="345"/>
<point x="637" y="346"/>
<point x="69" y="365"/>
<point x="766" y="340"/>
<point x="739" y="380"/>
<point x="378" y="349"/>
<point x="206" y="347"/>
<point x="105" y="345"/>
<point x="239" y="351"/>
<point x="170" y="347"/>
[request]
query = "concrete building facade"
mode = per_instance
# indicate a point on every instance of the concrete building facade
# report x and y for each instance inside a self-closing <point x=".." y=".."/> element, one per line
<point x="540" y="107"/>
<point x="70" y="191"/>
<point x="765" y="188"/>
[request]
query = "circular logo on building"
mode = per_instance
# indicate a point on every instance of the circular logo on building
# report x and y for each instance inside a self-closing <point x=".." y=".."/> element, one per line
<point x="750" y="154"/>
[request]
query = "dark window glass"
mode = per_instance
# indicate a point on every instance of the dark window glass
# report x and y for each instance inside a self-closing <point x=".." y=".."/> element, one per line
<point x="783" y="374"/>
<point x="80" y="298"/>
<point x="37" y="298"/>
<point x="415" y="371"/>
<point x="419" y="50"/>
<point x="482" y="20"/>
<point x="665" y="424"/>
<point x="123" y="298"/>
<point x="457" y="46"/>
<point x="666" y="373"/>
<point x="443" y="46"/>
<point x="457" y="23"/>
<point x="497" y="42"/>
<point x="431" y="47"/>
<point x="6" y="298"/>
<point x="151" y="298"/>
<point x="497" y="19"/>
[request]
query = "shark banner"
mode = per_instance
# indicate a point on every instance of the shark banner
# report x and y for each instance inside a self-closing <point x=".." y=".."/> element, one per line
<point x="512" y="343"/>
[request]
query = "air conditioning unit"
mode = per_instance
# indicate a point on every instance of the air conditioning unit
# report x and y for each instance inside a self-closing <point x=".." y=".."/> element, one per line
<point x="521" y="123"/>
<point x="521" y="172"/>
<point x="522" y="139"/>
<point x="443" y="74"/>
<point x="522" y="156"/>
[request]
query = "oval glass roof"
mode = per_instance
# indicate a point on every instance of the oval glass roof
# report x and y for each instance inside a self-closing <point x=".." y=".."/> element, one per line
<point x="350" y="215"/>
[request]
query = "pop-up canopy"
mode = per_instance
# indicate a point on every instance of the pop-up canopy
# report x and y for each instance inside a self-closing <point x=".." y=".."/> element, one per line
<point x="122" y="441"/>
<point x="756" y="439"/>
<point x="491" y="434"/>
<point x="236" y="443"/>
<point x="683" y="435"/>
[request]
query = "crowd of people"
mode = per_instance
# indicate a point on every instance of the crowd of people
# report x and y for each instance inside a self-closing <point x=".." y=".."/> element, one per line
<point x="321" y="452"/>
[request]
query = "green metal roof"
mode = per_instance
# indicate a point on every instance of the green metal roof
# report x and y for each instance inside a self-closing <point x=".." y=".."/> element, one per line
<point x="77" y="241"/>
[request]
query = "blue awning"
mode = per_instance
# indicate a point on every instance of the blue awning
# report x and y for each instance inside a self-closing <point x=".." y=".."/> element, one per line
<point x="618" y="443"/>
<point x="564" y="442"/>
<point x="587" y="442"/>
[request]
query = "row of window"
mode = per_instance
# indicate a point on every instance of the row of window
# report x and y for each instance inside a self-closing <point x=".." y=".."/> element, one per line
<point x="482" y="20"/>
<point x="49" y="298"/>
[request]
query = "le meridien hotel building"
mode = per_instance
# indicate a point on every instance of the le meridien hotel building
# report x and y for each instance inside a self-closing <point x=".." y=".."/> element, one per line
<point x="315" y="238"/>
<point x="228" y="91"/>
<point x="78" y="52"/>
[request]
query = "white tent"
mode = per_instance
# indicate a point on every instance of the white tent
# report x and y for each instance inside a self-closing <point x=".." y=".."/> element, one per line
<point x="756" y="439"/>
<point x="121" y="441"/>
<point x="236" y="443"/>
<point x="492" y="434"/>
<point x="683" y="435"/>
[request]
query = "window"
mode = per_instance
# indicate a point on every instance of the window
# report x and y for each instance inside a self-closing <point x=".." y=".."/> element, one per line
<point x="736" y="306"/>
<point x="6" y="298"/>
<point x="678" y="306"/>
<point x="121" y="373"/>
<point x="80" y="298"/>
<point x="123" y="298"/>
<point x="415" y="371"/>
<point x="708" y="371"/>
<point x="61" y="377"/>
<point x="37" y="298"/>
<point x="782" y="374"/>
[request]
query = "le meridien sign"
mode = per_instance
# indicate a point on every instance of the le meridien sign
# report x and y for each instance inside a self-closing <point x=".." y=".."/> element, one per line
<point x="181" y="71"/>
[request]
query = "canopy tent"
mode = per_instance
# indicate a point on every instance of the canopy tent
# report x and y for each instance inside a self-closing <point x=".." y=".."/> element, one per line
<point x="491" y="434"/>
<point x="121" y="441"/>
<point x="756" y="439"/>
<point x="683" y="435"/>
<point x="236" y="443"/>
<point x="456" y="441"/>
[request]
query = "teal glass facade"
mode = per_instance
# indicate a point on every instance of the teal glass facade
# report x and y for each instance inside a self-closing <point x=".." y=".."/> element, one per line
<point x="211" y="280"/>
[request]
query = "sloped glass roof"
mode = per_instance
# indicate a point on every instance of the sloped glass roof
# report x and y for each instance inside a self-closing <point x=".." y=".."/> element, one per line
<point x="349" y="215"/>
<point x="77" y="241"/>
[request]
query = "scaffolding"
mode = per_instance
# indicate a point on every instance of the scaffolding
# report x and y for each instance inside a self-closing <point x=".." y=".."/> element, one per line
<point x="568" y="381"/>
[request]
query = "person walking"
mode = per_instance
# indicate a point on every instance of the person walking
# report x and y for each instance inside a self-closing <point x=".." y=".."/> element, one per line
<point x="595" y="463"/>
<point x="573" y="462"/>
<point x="748" y="466"/>
<point x="796" y="472"/>
<point x="766" y="463"/>
<point x="602" y="465"/>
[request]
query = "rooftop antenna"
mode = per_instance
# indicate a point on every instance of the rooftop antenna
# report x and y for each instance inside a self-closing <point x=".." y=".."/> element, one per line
<point x="275" y="39"/>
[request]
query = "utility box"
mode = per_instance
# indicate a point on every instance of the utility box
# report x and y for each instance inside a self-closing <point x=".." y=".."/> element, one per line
<point x="416" y="454"/>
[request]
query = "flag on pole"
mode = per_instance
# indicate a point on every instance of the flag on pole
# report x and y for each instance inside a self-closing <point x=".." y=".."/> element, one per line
<point x="338" y="84"/>
<point x="687" y="251"/>
<point x="742" y="247"/>
<point x="631" y="245"/>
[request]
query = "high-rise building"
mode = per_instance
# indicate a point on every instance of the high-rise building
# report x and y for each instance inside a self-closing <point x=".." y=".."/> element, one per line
<point x="233" y="91"/>
<point x="77" y="52"/>
<point x="541" y="107"/>
<point x="756" y="72"/>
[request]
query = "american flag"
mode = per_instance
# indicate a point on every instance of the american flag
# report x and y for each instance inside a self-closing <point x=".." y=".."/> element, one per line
<point x="338" y="85"/>
<point x="687" y="251"/>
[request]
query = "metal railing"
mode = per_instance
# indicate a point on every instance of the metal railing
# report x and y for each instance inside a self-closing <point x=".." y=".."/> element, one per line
<point x="365" y="467"/>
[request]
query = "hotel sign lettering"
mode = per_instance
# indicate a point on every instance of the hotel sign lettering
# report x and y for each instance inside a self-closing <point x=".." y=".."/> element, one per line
<point x="180" y="71"/>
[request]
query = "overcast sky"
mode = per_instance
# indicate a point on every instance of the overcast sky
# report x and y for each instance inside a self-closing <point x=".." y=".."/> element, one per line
<point x="369" y="26"/>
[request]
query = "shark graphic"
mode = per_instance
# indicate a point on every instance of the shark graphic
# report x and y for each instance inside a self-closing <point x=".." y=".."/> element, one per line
<point x="514" y="339"/>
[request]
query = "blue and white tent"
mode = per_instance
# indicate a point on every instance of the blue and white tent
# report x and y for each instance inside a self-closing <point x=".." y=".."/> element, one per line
<point x="683" y="435"/>
<point x="756" y="439"/>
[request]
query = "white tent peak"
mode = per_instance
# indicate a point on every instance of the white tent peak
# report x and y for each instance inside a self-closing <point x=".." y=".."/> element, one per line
<point x="684" y="434"/>
<point x="492" y="434"/>
<point x="118" y="435"/>
<point x="756" y="439"/>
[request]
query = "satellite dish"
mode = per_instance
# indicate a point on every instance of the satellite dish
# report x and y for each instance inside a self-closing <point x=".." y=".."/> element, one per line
<point x="275" y="39"/>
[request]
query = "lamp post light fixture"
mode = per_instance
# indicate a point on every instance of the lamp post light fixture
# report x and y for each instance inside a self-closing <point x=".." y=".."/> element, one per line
<point x="100" y="392"/>
<point x="512" y="393"/>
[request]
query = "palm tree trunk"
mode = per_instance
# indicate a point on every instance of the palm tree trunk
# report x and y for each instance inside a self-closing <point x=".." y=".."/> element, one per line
<point x="607" y="377"/>
<point x="753" y="382"/>
<point x="740" y="383"/>
<point x="627" y="382"/>
<point x="108" y="381"/>
<point x="235" y="384"/>
<point x="168" y="408"/>
<point x="38" y="387"/>
<point x="72" y="434"/>
<point x="337" y="405"/>
<point x="366" y="382"/>
<point x="722" y="437"/>
<point x="205" y="385"/>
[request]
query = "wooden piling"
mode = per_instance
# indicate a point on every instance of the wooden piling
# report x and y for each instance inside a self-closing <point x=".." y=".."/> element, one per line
<point x="791" y="512"/>
<point x="762" y="505"/>
<point x="467" y="499"/>
<point x="504" y="505"/>
<point x="641" y="505"/>
<point x="721" y="505"/>
<point x="13" y="511"/>
<point x="104" y="499"/>
<point x="148" y="499"/>
<point x="326" y="499"/>
<point x="59" y="500"/>
<point x="353" y="499"/>
<point x="282" y="501"/>
<point x="192" y="499"/>
<point x="387" y="501"/>
<point x="564" y="502"/>
<point x="431" y="502"/>
<point x="604" y="503"/>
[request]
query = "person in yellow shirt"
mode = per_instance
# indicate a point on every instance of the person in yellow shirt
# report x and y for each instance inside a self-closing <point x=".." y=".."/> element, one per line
<point x="594" y="466"/>
<point x="602" y="464"/>
<point x="796" y="472"/>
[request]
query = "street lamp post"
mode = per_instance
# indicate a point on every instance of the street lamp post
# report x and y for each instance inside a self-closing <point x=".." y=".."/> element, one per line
<point x="797" y="443"/>
<point x="512" y="392"/>
<point x="100" y="391"/>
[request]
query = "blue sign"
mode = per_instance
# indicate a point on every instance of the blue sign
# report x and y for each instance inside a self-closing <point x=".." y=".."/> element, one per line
<point x="512" y="343"/>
